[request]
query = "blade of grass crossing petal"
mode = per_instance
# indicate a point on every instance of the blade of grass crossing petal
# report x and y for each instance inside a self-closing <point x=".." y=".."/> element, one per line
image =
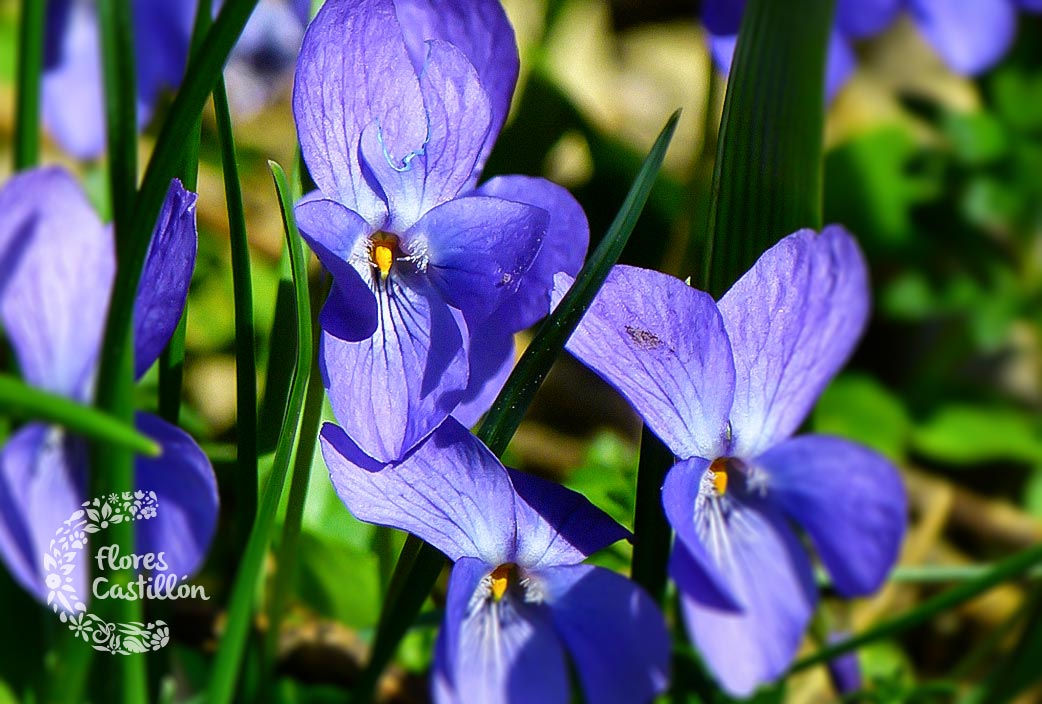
<point x="30" y="70"/>
<point x="19" y="400"/>
<point x="228" y="662"/>
<point x="767" y="180"/>
<point x="1011" y="568"/>
<point x="171" y="362"/>
<point x="513" y="401"/>
<point x="412" y="581"/>
<point x="245" y="352"/>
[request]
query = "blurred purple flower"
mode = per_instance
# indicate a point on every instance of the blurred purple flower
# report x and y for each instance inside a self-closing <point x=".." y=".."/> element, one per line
<point x="57" y="263"/>
<point x="397" y="106"/>
<point x="725" y="385"/>
<point x="73" y="92"/>
<point x="518" y="597"/>
<point x="261" y="65"/>
<point x="970" y="35"/>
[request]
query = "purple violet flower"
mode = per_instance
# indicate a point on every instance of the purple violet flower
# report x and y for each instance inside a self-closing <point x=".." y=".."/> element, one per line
<point x="73" y="91"/>
<point x="518" y="597"/>
<point x="725" y="385"/>
<point x="57" y="263"/>
<point x="970" y="35"/>
<point x="261" y="65"/>
<point x="398" y="103"/>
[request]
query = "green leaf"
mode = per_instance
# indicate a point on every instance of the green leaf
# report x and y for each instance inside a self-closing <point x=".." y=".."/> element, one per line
<point x="767" y="180"/>
<point x="30" y="68"/>
<point x="245" y="350"/>
<point x="233" y="642"/>
<point x="420" y="564"/>
<point x="977" y="138"/>
<point x="858" y="407"/>
<point x="19" y="400"/>
<point x="964" y="435"/>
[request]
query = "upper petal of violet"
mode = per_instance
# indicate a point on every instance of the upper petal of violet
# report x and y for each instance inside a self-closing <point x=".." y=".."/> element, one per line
<point x="970" y="35"/>
<point x="661" y="343"/>
<point x="183" y="480"/>
<point x="451" y="491"/>
<point x="481" y="30"/>
<point x="354" y="71"/>
<point x="558" y="526"/>
<point x="793" y="319"/>
<point x="458" y="117"/>
<point x="163" y="288"/>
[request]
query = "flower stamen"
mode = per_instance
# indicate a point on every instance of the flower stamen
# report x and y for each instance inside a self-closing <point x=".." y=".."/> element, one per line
<point x="718" y="475"/>
<point x="501" y="578"/>
<point x="383" y="250"/>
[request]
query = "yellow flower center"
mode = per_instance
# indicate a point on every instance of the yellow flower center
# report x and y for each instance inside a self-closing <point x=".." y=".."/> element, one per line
<point x="719" y="470"/>
<point x="501" y="578"/>
<point x="382" y="252"/>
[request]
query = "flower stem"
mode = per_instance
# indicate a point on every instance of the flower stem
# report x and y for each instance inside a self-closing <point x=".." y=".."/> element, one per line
<point x="30" y="69"/>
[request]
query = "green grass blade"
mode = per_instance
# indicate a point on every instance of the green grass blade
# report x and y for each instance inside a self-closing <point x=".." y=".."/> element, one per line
<point x="19" y="400"/>
<point x="1009" y="569"/>
<point x="767" y="180"/>
<point x="652" y="530"/>
<point x="413" y="578"/>
<point x="286" y="559"/>
<point x="30" y="70"/>
<point x="245" y="351"/>
<point x="117" y="53"/>
<point x="126" y="679"/>
<point x="512" y="403"/>
<point x="233" y="642"/>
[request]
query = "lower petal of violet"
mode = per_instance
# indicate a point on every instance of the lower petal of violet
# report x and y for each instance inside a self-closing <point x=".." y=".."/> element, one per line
<point x="767" y="575"/>
<point x="504" y="650"/>
<point x="390" y="390"/>
<point x="614" y="633"/>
